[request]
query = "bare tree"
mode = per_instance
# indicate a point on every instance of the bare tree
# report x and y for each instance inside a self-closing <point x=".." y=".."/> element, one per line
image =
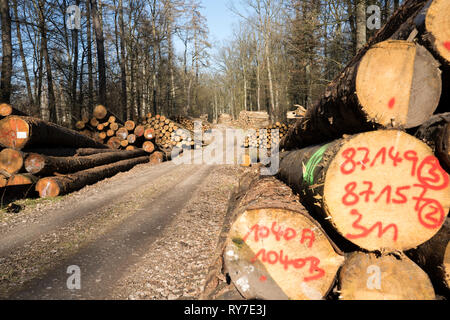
<point x="5" y="81"/>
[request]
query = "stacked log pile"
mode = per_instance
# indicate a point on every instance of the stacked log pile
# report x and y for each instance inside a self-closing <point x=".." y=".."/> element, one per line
<point x="189" y="123"/>
<point x="253" y="119"/>
<point x="39" y="157"/>
<point x="362" y="193"/>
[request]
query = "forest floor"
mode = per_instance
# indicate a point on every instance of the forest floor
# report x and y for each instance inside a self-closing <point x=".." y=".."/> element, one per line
<point x="149" y="233"/>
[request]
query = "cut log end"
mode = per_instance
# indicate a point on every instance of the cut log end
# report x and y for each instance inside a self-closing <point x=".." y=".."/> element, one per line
<point x="148" y="146"/>
<point x="388" y="277"/>
<point x="156" y="157"/>
<point x="11" y="160"/>
<point x="386" y="190"/>
<point x="438" y="24"/>
<point x="34" y="163"/>
<point x="100" y="112"/>
<point x="14" y="132"/>
<point x="398" y="84"/>
<point x="47" y="187"/>
<point x="5" y="109"/>
<point x="280" y="254"/>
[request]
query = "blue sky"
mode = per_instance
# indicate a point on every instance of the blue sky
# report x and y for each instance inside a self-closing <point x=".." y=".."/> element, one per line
<point x="220" y="21"/>
<point x="220" y="18"/>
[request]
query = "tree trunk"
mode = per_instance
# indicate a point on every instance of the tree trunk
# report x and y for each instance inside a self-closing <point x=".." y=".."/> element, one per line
<point x="382" y="190"/>
<point x="20" y="132"/>
<point x="280" y="251"/>
<point x="7" y="61"/>
<point x="41" y="165"/>
<point x="360" y="24"/>
<point x="89" y="57"/>
<point x="98" y="28"/>
<point x="24" y="62"/>
<point x="60" y="185"/>
<point x="76" y="108"/>
<point x="51" y="94"/>
<point x="367" y="276"/>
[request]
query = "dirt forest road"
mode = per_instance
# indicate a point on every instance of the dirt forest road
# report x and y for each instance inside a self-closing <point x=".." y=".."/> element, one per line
<point x="149" y="233"/>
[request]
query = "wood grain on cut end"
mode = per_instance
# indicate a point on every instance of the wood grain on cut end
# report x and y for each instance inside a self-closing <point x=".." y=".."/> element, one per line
<point x="47" y="187"/>
<point x="367" y="276"/>
<point x="398" y="84"/>
<point x="122" y="133"/>
<point x="14" y="132"/>
<point x="156" y="157"/>
<point x="386" y="190"/>
<point x="437" y="22"/>
<point x="100" y="112"/>
<point x="149" y="133"/>
<point x="11" y="160"/>
<point x="5" y="109"/>
<point x="276" y="253"/>
<point x="148" y="146"/>
<point x="130" y="125"/>
<point x="139" y="130"/>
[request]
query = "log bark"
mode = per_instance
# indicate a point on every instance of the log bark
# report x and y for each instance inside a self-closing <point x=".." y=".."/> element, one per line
<point x="20" y="132"/>
<point x="41" y="165"/>
<point x="275" y="250"/>
<point x="67" y="152"/>
<point x="382" y="190"/>
<point x="60" y="185"/>
<point x="367" y="276"/>
<point x="434" y="257"/>
<point x="11" y="161"/>
<point x="436" y="133"/>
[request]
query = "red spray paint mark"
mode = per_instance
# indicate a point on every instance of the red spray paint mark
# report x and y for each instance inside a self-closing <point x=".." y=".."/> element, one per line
<point x="262" y="278"/>
<point x="391" y="103"/>
<point x="447" y="45"/>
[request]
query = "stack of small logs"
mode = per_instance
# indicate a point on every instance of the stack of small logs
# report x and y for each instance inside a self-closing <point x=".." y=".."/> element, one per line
<point x="266" y="137"/>
<point x="189" y="123"/>
<point x="41" y="157"/>
<point x="258" y="143"/>
<point x="359" y="206"/>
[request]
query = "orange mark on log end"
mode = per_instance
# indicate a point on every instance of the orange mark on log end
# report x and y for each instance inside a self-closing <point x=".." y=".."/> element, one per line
<point x="262" y="278"/>
<point x="391" y="103"/>
<point x="447" y="45"/>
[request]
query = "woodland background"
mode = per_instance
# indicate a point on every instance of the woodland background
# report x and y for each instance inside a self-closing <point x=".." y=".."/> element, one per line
<point x="282" y="53"/>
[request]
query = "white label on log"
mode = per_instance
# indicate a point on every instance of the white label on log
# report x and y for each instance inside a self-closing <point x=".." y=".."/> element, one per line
<point x="21" y="135"/>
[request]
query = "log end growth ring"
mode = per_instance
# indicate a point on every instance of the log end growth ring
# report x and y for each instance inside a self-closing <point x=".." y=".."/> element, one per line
<point x="398" y="84"/>
<point x="47" y="187"/>
<point x="437" y="22"/>
<point x="5" y="109"/>
<point x="11" y="160"/>
<point x="100" y="111"/>
<point x="386" y="190"/>
<point x="14" y="132"/>
<point x="280" y="254"/>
